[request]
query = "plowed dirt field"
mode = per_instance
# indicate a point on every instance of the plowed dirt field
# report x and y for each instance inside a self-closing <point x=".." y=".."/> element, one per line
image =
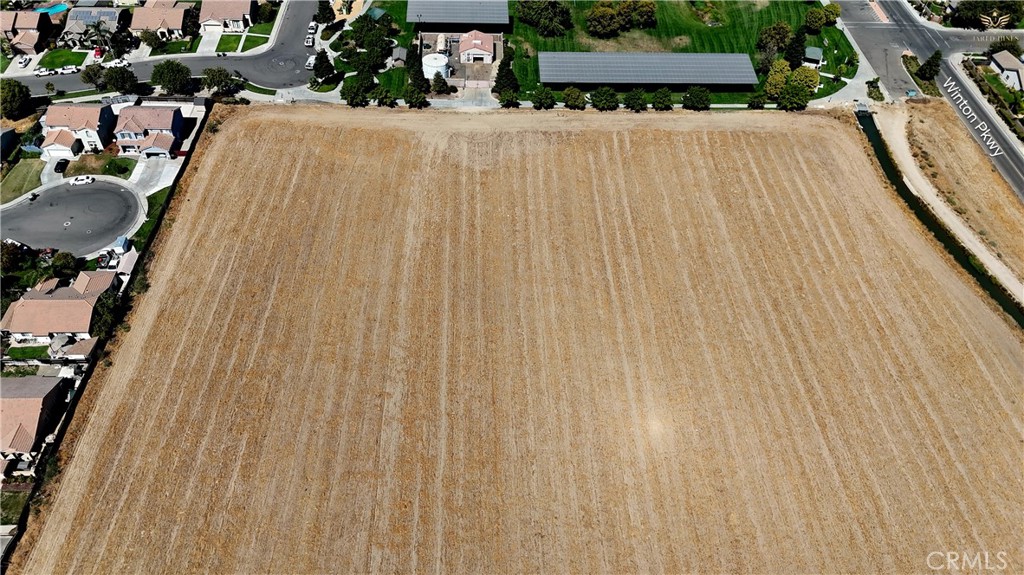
<point x="515" y="342"/>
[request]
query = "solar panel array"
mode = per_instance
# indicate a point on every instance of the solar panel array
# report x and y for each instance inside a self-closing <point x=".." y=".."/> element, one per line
<point x="458" y="11"/>
<point x="645" y="68"/>
<point x="93" y="15"/>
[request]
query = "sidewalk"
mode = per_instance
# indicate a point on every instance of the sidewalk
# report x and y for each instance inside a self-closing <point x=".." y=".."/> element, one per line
<point x="964" y="80"/>
<point x="857" y="87"/>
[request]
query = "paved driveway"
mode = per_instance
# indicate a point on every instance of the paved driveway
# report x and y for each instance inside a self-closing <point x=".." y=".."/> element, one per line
<point x="79" y="219"/>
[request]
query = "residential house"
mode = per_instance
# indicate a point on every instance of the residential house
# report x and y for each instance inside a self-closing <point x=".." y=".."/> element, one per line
<point x="70" y="129"/>
<point x="50" y="309"/>
<point x="167" y="19"/>
<point x="149" y="131"/>
<point x="814" y="57"/>
<point x="29" y="410"/>
<point x="80" y="21"/>
<point x="226" y="15"/>
<point x="1009" y="68"/>
<point x="475" y="46"/>
<point x="27" y="31"/>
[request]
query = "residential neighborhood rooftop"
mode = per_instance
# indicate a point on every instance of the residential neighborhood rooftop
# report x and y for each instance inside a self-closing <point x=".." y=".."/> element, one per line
<point x="142" y="118"/>
<point x="224" y="9"/>
<point x="158" y="17"/>
<point x="21" y="405"/>
<point x="74" y="116"/>
<point x="1007" y="61"/>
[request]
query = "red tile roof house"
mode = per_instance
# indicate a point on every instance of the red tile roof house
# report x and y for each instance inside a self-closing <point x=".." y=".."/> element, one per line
<point x="27" y="31"/>
<point x="475" y="46"/>
<point x="167" y="19"/>
<point x="29" y="409"/>
<point x="71" y="129"/>
<point x="150" y="131"/>
<point x="226" y="15"/>
<point x="49" y="310"/>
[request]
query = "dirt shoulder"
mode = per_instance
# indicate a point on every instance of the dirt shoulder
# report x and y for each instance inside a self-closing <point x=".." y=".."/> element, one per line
<point x="945" y="168"/>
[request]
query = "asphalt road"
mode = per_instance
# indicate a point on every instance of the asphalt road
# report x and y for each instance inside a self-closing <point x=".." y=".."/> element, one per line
<point x="78" y="219"/>
<point x="883" y="45"/>
<point x="280" y="66"/>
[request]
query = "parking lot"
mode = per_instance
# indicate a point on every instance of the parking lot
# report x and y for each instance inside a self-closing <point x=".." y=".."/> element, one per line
<point x="78" y="219"/>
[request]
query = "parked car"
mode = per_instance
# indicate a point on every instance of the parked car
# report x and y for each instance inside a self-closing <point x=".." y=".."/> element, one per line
<point x="310" y="62"/>
<point x="69" y="70"/>
<point x="309" y="41"/>
<point x="312" y="28"/>
<point x="82" y="180"/>
<point x="24" y="61"/>
<point x="40" y="72"/>
<point x="119" y="63"/>
<point x="61" y="165"/>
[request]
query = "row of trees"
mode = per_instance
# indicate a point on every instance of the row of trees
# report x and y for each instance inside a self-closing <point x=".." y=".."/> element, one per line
<point x="982" y="14"/>
<point x="607" y="19"/>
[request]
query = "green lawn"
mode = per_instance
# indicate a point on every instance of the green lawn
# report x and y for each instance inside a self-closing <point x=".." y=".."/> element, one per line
<point x="265" y="27"/>
<point x="394" y="80"/>
<point x="60" y="58"/>
<point x="11" y="504"/>
<point x="155" y="207"/>
<point x="79" y="94"/>
<point x="106" y="164"/>
<point x="679" y="29"/>
<point x="229" y="43"/>
<point x="343" y="66"/>
<point x="29" y="352"/>
<point x="4" y="63"/>
<point x="254" y="41"/>
<point x="22" y="178"/>
<point x="326" y="87"/>
<point x="838" y="52"/>
<point x="396" y="8"/>
<point x="993" y="80"/>
<point x="259" y="89"/>
<point x="178" y="47"/>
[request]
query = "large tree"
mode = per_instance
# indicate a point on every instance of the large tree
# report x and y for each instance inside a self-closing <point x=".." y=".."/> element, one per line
<point x="506" y="80"/>
<point x="1008" y="43"/>
<point x="814" y="20"/>
<point x="603" y="20"/>
<point x="794" y="97"/>
<point x="697" y="98"/>
<point x="121" y="80"/>
<point x="661" y="101"/>
<point x="383" y="97"/>
<point x="930" y="69"/>
<point x="322" y="66"/>
<point x="543" y="98"/>
<point x="439" y="85"/>
<point x="92" y="74"/>
<point x="414" y="98"/>
<point x="805" y="76"/>
<point x="774" y="38"/>
<point x="574" y="98"/>
<point x="356" y="90"/>
<point x="508" y="99"/>
<point x="14" y="98"/>
<point x="151" y="39"/>
<point x="220" y="80"/>
<point x="173" y="76"/>
<point x="550" y="17"/>
<point x="637" y="14"/>
<point x="324" y="13"/>
<point x="795" y="49"/>
<point x="604" y="99"/>
<point x="981" y="13"/>
<point x="832" y="13"/>
<point x="776" y="80"/>
<point x="635" y="100"/>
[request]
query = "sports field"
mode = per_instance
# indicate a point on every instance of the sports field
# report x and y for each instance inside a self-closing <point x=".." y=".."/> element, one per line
<point x="523" y="342"/>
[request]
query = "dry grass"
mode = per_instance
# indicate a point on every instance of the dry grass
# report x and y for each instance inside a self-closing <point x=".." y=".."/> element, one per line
<point x="22" y="125"/>
<point x="967" y="179"/>
<point x="543" y="342"/>
<point x="635" y="41"/>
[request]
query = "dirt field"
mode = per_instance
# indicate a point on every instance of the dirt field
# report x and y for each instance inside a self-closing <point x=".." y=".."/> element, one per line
<point x="529" y="342"/>
<point x="967" y="180"/>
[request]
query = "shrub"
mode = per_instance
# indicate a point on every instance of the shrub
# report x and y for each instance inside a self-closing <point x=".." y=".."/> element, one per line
<point x="543" y="98"/>
<point x="757" y="101"/>
<point x="635" y="100"/>
<point x="662" y="100"/>
<point x="574" y="98"/>
<point x="697" y="98"/>
<point x="508" y="99"/>
<point x="604" y="99"/>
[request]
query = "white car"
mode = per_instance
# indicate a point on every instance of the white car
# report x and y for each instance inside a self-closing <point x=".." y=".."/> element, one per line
<point x="309" y="41"/>
<point x="40" y="72"/>
<point x="24" y="61"/>
<point x="81" y="180"/>
<point x="69" y="70"/>
<point x="119" y="63"/>
<point x="310" y="62"/>
<point x="312" y="28"/>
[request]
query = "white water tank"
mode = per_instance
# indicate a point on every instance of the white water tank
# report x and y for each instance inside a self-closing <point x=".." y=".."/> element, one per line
<point x="434" y="63"/>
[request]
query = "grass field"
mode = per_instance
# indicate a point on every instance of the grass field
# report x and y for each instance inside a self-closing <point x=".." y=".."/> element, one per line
<point x="251" y="42"/>
<point x="394" y="80"/>
<point x="229" y="43"/>
<point x="60" y="58"/>
<point x="154" y="208"/>
<point x="179" y="47"/>
<point x="526" y="342"/>
<point x="679" y="29"/>
<point x="4" y="62"/>
<point x="29" y="352"/>
<point x="260" y="89"/>
<point x="22" y="178"/>
<point x="265" y="27"/>
<point x="11" y="504"/>
<point x="106" y="164"/>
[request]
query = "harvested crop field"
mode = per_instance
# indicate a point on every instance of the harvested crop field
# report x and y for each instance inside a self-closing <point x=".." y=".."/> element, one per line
<point x="967" y="179"/>
<point x="519" y="342"/>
